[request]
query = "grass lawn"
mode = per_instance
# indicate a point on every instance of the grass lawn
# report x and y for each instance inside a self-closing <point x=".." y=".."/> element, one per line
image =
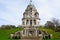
<point x="4" y="34"/>
<point x="56" y="35"/>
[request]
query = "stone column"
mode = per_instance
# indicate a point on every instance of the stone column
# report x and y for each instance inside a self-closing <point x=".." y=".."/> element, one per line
<point x="25" y="21"/>
<point x="25" y="32"/>
<point x="36" y="33"/>
<point x="36" y="22"/>
<point x="32" y="22"/>
<point x="22" y="22"/>
<point x="29" y="22"/>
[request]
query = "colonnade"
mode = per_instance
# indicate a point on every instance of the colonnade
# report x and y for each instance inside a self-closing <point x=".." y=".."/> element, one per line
<point x="30" y="22"/>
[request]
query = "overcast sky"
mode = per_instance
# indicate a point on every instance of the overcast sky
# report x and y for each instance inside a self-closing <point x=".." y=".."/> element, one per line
<point x="11" y="11"/>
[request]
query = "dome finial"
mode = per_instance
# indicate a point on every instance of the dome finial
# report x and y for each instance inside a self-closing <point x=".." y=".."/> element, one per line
<point x="30" y="1"/>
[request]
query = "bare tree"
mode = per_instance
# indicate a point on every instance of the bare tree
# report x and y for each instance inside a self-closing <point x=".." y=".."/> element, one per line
<point x="49" y="24"/>
<point x="56" y="22"/>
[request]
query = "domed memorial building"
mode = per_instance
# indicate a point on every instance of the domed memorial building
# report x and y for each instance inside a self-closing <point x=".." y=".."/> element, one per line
<point x="30" y="16"/>
<point x="30" y="23"/>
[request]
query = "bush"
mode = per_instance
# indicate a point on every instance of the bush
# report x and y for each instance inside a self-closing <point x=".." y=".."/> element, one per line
<point x="57" y="30"/>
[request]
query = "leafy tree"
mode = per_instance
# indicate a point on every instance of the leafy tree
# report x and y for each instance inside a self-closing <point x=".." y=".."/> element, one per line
<point x="7" y="26"/>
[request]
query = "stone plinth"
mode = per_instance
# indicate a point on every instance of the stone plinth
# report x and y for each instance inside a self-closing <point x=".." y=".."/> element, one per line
<point x="31" y="38"/>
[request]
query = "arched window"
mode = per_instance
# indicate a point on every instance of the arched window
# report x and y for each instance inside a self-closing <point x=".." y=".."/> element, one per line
<point x="34" y="22"/>
<point x="27" y="22"/>
<point x="31" y="32"/>
<point x="30" y="22"/>
<point x="39" y="32"/>
<point x="36" y="14"/>
<point x="23" y="23"/>
<point x="31" y="9"/>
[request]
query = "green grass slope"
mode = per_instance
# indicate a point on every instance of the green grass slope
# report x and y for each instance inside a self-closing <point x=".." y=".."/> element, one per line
<point x="56" y="35"/>
<point x="4" y="34"/>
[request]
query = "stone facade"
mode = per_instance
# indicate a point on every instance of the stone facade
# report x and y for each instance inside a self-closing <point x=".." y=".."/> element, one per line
<point x="30" y="23"/>
<point x="30" y="16"/>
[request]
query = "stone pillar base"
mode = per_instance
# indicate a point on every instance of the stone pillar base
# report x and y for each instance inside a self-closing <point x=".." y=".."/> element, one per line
<point x="31" y="38"/>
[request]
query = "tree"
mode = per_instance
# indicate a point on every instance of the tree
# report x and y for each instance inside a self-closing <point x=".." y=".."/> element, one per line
<point x="49" y="24"/>
<point x="56" y="22"/>
<point x="12" y="26"/>
<point x="7" y="26"/>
